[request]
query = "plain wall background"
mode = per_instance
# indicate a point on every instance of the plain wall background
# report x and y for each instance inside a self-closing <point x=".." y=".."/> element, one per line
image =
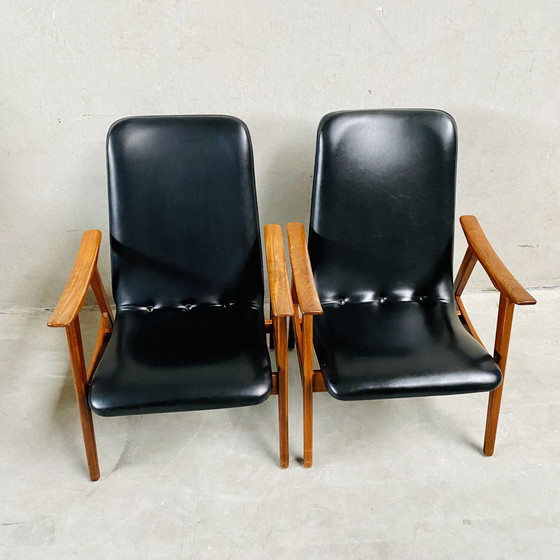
<point x="69" y="69"/>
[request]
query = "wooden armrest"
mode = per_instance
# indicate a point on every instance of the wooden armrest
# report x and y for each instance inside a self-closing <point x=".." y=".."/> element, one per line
<point x="500" y="276"/>
<point x="74" y="295"/>
<point x="302" y="273"/>
<point x="280" y="297"/>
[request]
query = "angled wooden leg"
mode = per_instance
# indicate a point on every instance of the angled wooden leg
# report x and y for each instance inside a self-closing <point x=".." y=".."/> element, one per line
<point x="101" y="298"/>
<point x="307" y="385"/>
<point x="280" y="335"/>
<point x="79" y="375"/>
<point x="501" y="346"/>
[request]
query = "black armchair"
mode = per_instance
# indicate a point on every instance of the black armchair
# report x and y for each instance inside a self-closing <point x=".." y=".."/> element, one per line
<point x="373" y="292"/>
<point x="189" y="332"/>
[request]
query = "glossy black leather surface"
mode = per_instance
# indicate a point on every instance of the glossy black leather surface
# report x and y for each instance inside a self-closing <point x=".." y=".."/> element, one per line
<point x="381" y="246"/>
<point x="399" y="349"/>
<point x="186" y="269"/>
<point x="183" y="214"/>
<point x="172" y="360"/>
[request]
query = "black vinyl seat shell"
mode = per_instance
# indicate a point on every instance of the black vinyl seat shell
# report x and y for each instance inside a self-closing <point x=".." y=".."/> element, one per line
<point x="380" y="245"/>
<point x="186" y="260"/>
<point x="207" y="357"/>
<point x="399" y="349"/>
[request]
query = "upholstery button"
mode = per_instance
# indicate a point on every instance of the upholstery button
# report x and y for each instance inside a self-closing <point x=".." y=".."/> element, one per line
<point x="150" y="308"/>
<point x="382" y="299"/>
<point x="189" y="306"/>
<point x="341" y="301"/>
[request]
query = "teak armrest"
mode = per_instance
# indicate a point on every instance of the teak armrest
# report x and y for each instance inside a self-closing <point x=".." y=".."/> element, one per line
<point x="502" y="279"/>
<point x="302" y="273"/>
<point x="280" y="297"/>
<point x="72" y="299"/>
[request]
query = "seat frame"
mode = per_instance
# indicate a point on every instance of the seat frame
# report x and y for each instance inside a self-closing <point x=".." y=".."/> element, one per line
<point x="85" y="274"/>
<point x="307" y="304"/>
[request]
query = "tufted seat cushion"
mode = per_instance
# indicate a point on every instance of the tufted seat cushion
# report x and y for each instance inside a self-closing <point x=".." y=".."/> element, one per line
<point x="385" y="349"/>
<point x="192" y="358"/>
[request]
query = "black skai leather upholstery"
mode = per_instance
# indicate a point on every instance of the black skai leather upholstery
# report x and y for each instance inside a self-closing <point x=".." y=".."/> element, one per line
<point x="381" y="244"/>
<point x="187" y="269"/>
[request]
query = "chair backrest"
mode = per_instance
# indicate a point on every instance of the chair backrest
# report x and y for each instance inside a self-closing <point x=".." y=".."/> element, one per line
<point x="183" y="212"/>
<point x="382" y="213"/>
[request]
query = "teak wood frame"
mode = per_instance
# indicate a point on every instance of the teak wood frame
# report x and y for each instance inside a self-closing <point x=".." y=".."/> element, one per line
<point x="85" y="274"/>
<point x="306" y="305"/>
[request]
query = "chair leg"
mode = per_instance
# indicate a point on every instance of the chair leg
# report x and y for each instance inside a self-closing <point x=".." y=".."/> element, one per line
<point x="307" y="382"/>
<point x="492" y="416"/>
<point x="308" y="425"/>
<point x="279" y="333"/>
<point x="79" y="375"/>
<point x="501" y="347"/>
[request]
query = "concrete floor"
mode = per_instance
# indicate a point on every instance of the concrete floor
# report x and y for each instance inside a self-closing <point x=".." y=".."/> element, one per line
<point x="400" y="479"/>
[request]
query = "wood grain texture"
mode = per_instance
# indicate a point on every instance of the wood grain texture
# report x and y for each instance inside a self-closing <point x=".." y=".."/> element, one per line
<point x="501" y="347"/>
<point x="464" y="272"/>
<point x="302" y="273"/>
<point x="79" y="375"/>
<point x="281" y="349"/>
<point x="103" y="336"/>
<point x="465" y="319"/>
<point x="318" y="382"/>
<point x="74" y="295"/>
<point x="99" y="292"/>
<point x="307" y="389"/>
<point x="280" y="297"/>
<point x="500" y="276"/>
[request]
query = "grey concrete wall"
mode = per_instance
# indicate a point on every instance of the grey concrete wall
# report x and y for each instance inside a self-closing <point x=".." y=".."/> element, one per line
<point x="69" y="69"/>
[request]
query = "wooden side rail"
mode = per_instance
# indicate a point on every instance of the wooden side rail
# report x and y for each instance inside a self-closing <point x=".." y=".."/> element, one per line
<point x="83" y="275"/>
<point x="481" y="250"/>
<point x="66" y="314"/>
<point x="306" y="301"/>
<point x="280" y="298"/>
<point x="302" y="273"/>
<point x="511" y="293"/>
<point x="281" y="306"/>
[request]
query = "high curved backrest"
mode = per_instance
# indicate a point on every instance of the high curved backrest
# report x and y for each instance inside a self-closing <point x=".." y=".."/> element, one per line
<point x="382" y="215"/>
<point x="183" y="212"/>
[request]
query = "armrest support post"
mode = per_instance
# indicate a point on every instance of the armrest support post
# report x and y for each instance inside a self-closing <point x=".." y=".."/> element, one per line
<point x="281" y="307"/>
<point x="280" y="298"/>
<point x="501" y="277"/>
<point x="85" y="269"/>
<point x="306" y="301"/>
<point x="511" y="293"/>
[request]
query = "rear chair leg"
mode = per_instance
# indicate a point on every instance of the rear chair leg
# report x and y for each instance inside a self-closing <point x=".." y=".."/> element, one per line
<point x="492" y="416"/>
<point x="308" y="425"/>
<point x="501" y="346"/>
<point x="79" y="375"/>
<point x="279" y="331"/>
<point x="307" y="382"/>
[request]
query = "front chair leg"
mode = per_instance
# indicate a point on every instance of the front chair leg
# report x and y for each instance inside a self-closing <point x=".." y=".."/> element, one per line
<point x="307" y="387"/>
<point x="501" y="346"/>
<point x="307" y="425"/>
<point x="79" y="375"/>
<point x="280" y="342"/>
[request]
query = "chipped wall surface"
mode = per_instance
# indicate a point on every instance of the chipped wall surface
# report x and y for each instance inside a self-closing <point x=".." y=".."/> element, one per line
<point x="69" y="69"/>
